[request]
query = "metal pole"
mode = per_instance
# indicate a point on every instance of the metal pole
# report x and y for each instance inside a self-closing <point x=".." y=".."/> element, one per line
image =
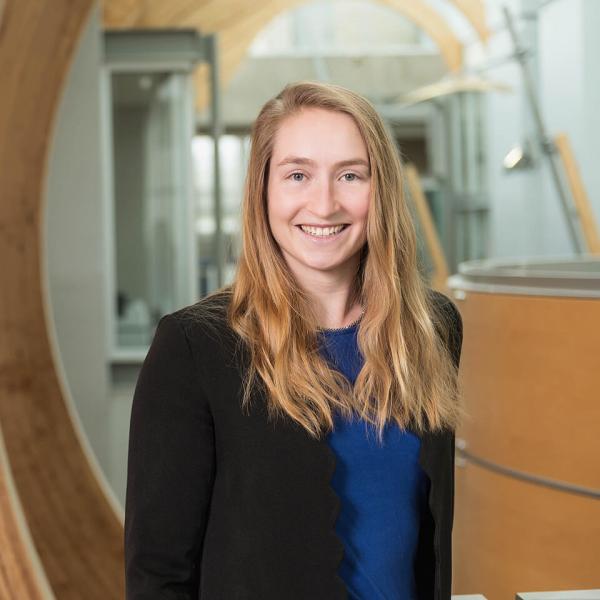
<point x="217" y="131"/>
<point x="546" y="142"/>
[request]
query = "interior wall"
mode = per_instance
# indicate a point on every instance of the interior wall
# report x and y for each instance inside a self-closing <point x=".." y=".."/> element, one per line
<point x="526" y="214"/>
<point x="569" y="82"/>
<point x="74" y="239"/>
<point x="588" y="154"/>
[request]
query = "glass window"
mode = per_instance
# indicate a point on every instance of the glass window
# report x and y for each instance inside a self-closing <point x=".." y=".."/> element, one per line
<point x="150" y="144"/>
<point x="233" y="153"/>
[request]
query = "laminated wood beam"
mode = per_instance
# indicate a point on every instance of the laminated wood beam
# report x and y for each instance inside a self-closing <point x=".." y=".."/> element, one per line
<point x="474" y="11"/>
<point x="75" y="528"/>
<point x="238" y="22"/>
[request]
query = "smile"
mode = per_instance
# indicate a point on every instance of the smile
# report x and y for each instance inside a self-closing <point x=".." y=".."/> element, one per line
<point x="322" y="233"/>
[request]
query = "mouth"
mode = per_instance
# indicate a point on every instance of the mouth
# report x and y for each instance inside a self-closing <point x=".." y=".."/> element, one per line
<point x="323" y="233"/>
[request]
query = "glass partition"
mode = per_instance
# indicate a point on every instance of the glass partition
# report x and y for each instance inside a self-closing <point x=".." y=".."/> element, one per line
<point x="149" y="111"/>
<point x="150" y="191"/>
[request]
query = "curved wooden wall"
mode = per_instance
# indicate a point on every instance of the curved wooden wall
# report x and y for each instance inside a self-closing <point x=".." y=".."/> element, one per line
<point x="530" y="372"/>
<point x="21" y="574"/>
<point x="76" y="532"/>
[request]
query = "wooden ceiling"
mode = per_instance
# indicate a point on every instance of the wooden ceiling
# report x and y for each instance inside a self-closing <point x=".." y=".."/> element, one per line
<point x="237" y="23"/>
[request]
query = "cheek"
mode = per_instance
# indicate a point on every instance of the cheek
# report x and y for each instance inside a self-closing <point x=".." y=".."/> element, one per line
<point x="273" y="203"/>
<point x="280" y="207"/>
<point x="361" y="206"/>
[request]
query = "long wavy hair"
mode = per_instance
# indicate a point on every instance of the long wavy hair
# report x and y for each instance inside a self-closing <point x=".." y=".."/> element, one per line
<point x="408" y="374"/>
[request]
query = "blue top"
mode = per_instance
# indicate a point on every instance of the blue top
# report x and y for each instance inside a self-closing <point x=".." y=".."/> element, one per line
<point x="382" y="490"/>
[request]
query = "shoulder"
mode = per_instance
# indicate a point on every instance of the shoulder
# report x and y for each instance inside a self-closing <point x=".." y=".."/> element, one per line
<point x="208" y="315"/>
<point x="445" y="306"/>
<point x="205" y="324"/>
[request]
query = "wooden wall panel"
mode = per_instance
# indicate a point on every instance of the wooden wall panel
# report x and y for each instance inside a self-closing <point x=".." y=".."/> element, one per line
<point x="511" y="536"/>
<point x="530" y="372"/>
<point x="76" y="532"/>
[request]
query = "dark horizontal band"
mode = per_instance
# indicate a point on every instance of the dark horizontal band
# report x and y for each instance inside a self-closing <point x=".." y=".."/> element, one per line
<point x="554" y="484"/>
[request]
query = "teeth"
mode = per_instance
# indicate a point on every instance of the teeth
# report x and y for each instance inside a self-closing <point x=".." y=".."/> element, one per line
<point x="322" y="231"/>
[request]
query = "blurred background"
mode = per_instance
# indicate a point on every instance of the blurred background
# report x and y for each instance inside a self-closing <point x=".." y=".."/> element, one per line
<point x="142" y="151"/>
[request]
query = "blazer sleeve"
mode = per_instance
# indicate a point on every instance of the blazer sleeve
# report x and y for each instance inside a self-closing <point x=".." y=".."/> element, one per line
<point x="450" y="327"/>
<point x="170" y="471"/>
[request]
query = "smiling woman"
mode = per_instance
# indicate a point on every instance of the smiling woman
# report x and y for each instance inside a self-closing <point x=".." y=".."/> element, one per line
<point x="292" y="434"/>
<point x="318" y="199"/>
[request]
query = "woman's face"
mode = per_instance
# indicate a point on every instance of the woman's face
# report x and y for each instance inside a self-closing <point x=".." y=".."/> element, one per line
<point x="319" y="177"/>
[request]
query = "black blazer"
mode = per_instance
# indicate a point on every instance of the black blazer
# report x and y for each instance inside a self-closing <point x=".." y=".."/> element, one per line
<point x="222" y="505"/>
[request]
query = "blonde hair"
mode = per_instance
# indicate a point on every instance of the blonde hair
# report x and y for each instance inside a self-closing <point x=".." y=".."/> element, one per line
<point x="408" y="374"/>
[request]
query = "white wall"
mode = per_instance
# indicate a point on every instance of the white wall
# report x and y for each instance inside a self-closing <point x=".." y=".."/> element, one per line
<point x="526" y="214"/>
<point x="74" y="238"/>
<point x="588" y="152"/>
<point x="569" y="47"/>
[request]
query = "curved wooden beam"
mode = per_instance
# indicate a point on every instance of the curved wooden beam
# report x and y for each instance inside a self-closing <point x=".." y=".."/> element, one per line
<point x="434" y="25"/>
<point x="217" y="15"/>
<point x="474" y="11"/>
<point x="238" y="23"/>
<point x="22" y="575"/>
<point x="233" y="44"/>
<point x="235" y="39"/>
<point x="75" y="529"/>
<point x="122" y="13"/>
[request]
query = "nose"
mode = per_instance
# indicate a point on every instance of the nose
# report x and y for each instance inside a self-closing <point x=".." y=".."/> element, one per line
<point x="323" y="202"/>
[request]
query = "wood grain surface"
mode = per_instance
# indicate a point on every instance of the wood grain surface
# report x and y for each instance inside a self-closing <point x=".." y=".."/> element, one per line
<point x="530" y="372"/>
<point x="75" y="530"/>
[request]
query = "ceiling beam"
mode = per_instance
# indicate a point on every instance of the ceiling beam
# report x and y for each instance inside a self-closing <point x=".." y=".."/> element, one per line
<point x="238" y="22"/>
<point x="434" y="25"/>
<point x="219" y="15"/>
<point x="474" y="11"/>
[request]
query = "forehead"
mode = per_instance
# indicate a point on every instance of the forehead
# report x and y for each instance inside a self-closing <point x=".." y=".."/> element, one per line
<point x="318" y="133"/>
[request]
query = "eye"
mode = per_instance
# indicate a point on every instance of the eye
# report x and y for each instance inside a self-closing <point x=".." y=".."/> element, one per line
<point x="294" y="178"/>
<point x="351" y="175"/>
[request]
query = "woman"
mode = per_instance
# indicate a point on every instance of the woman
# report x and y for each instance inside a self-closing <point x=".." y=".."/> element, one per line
<point x="292" y="433"/>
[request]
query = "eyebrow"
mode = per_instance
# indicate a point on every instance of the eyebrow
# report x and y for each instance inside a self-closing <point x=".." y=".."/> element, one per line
<point x="301" y="160"/>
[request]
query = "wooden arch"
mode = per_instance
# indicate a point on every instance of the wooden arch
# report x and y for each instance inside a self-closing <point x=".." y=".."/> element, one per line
<point x="60" y="535"/>
<point x="238" y="22"/>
